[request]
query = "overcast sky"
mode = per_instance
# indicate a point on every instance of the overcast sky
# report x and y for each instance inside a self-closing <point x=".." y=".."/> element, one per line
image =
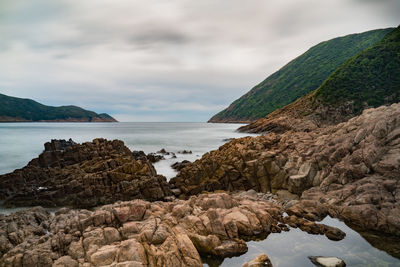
<point x="175" y="60"/>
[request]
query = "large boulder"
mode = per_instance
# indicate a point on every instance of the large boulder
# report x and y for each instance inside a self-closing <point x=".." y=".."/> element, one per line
<point x="83" y="175"/>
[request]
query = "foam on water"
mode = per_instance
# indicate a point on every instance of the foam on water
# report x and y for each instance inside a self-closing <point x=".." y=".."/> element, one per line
<point x="20" y="142"/>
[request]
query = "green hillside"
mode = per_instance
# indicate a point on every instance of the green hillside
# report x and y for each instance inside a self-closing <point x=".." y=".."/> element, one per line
<point x="370" y="79"/>
<point x="19" y="109"/>
<point x="299" y="77"/>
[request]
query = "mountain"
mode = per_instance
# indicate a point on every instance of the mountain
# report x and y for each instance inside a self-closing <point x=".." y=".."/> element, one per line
<point x="369" y="79"/>
<point x="13" y="109"/>
<point x="299" y="77"/>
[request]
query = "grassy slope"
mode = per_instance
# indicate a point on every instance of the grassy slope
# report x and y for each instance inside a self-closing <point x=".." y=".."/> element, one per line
<point x="369" y="79"/>
<point x="29" y="110"/>
<point x="299" y="77"/>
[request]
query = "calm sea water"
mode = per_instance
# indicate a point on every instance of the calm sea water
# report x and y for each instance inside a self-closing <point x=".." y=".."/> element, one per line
<point x="20" y="142"/>
<point x="288" y="249"/>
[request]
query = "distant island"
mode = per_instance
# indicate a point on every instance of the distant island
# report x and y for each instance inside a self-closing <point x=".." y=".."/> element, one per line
<point x="14" y="109"/>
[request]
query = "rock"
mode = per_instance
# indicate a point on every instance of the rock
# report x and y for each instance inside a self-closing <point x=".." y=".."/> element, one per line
<point x="327" y="261"/>
<point x="139" y="155"/>
<point x="163" y="151"/>
<point x="351" y="169"/>
<point x="260" y="261"/>
<point x="137" y="232"/>
<point x="334" y="233"/>
<point x="286" y="196"/>
<point x="65" y="261"/>
<point x="83" y="175"/>
<point x="185" y="151"/>
<point x="180" y="165"/>
<point x="153" y="158"/>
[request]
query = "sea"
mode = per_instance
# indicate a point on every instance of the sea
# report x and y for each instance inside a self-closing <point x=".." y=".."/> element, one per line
<point x="21" y="142"/>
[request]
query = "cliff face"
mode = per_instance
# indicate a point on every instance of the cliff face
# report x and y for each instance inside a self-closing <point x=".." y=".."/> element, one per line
<point x="13" y="109"/>
<point x="299" y="77"/>
<point x="370" y="79"/>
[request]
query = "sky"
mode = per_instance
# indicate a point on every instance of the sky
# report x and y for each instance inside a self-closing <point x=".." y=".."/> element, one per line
<point x="175" y="60"/>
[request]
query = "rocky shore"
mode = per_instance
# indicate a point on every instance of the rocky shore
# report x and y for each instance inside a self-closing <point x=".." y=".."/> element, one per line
<point x="349" y="171"/>
<point x="141" y="233"/>
<point x="248" y="188"/>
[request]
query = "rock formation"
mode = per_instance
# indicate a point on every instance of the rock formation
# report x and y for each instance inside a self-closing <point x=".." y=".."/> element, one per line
<point x="350" y="170"/>
<point x="83" y="175"/>
<point x="180" y="165"/>
<point x="141" y="233"/>
<point x="136" y="233"/>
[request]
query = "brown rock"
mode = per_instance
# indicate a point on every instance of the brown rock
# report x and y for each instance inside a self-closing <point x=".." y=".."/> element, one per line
<point x="260" y="261"/>
<point x="137" y="232"/>
<point x="83" y="175"/>
<point x="350" y="169"/>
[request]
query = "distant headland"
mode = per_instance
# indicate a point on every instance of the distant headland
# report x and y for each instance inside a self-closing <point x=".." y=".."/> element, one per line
<point x="14" y="109"/>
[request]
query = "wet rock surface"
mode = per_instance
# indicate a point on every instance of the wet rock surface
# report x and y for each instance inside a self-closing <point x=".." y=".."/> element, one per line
<point x="83" y="175"/>
<point x="137" y="233"/>
<point x="349" y="171"/>
<point x="327" y="261"/>
<point x="260" y="261"/>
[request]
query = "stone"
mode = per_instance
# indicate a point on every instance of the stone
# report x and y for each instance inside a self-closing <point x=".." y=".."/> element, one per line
<point x="327" y="261"/>
<point x="65" y="261"/>
<point x="104" y="256"/>
<point x="260" y="261"/>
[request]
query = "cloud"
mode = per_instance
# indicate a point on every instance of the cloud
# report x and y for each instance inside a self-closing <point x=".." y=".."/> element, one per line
<point x="164" y="60"/>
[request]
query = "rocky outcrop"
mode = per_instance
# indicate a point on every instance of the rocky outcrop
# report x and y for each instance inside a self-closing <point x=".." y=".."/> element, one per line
<point x="83" y="175"/>
<point x="304" y="115"/>
<point x="180" y="165"/>
<point x="137" y="233"/>
<point x="350" y="170"/>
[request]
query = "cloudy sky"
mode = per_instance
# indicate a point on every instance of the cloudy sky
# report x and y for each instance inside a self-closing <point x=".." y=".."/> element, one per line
<point x="175" y="60"/>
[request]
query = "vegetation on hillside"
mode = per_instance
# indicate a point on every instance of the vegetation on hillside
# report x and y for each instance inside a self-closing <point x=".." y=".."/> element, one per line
<point x="299" y="77"/>
<point x="370" y="79"/>
<point x="19" y="109"/>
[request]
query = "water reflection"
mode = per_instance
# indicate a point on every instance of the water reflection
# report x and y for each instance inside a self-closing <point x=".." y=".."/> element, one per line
<point x="292" y="248"/>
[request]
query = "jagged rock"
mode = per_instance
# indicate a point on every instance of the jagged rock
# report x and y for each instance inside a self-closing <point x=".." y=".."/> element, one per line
<point x="137" y="232"/>
<point x="163" y="151"/>
<point x="139" y="155"/>
<point x="153" y="158"/>
<point x="180" y="165"/>
<point x="83" y="175"/>
<point x="260" y="261"/>
<point x="349" y="171"/>
<point x="327" y="261"/>
<point x="185" y="151"/>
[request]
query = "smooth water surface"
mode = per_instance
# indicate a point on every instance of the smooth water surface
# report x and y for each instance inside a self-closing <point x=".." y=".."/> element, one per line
<point x="288" y="249"/>
<point x="21" y="142"/>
